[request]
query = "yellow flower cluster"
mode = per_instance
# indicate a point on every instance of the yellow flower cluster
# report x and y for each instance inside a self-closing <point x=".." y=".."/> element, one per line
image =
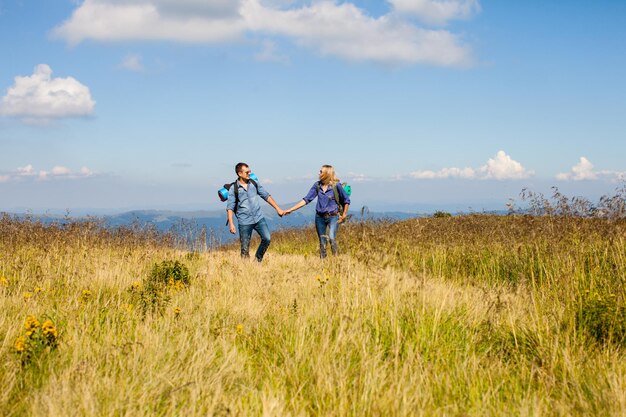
<point x="49" y="331"/>
<point x="135" y="286"/>
<point x="4" y="282"/>
<point x="177" y="311"/>
<point x="31" y="325"/>
<point x="27" y="295"/>
<point x="322" y="279"/>
<point x="36" y="334"/>
<point x="176" y="284"/>
<point x="20" y="344"/>
<point x="239" y="329"/>
<point x="86" y="295"/>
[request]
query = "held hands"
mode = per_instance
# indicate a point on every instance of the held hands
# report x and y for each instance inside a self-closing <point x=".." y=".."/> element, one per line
<point x="283" y="213"/>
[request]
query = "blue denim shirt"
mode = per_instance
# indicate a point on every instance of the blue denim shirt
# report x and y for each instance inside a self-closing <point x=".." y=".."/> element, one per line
<point x="326" y="200"/>
<point x="249" y="208"/>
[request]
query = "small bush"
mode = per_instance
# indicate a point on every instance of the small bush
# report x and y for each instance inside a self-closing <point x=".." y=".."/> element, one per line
<point x="603" y="319"/>
<point x="169" y="273"/>
<point x="441" y="214"/>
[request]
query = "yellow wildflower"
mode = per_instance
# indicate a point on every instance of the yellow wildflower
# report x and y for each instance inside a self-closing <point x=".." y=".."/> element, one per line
<point x="135" y="286"/>
<point x="38" y="290"/>
<point x="179" y="286"/>
<point x="27" y="296"/>
<point x="20" y="344"/>
<point x="31" y="324"/>
<point x="3" y="282"/>
<point x="49" y="330"/>
<point x="129" y="307"/>
<point x="177" y="311"/>
<point x="239" y="329"/>
<point x="86" y="295"/>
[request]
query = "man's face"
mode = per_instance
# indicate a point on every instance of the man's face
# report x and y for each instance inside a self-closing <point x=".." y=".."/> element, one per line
<point x="245" y="173"/>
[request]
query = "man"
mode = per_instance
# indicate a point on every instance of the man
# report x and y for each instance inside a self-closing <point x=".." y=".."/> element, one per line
<point x="248" y="211"/>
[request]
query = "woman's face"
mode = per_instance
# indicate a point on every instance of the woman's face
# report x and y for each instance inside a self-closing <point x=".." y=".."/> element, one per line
<point x="321" y="173"/>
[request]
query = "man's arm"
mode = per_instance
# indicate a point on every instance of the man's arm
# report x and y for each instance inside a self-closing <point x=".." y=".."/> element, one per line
<point x="272" y="203"/>
<point x="230" y="207"/>
<point x="231" y="224"/>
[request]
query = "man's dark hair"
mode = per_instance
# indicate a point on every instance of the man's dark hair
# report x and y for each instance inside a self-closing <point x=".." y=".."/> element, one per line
<point x="239" y="166"/>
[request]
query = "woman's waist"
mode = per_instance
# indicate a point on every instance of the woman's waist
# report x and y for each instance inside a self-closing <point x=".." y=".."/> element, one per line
<point x="326" y="214"/>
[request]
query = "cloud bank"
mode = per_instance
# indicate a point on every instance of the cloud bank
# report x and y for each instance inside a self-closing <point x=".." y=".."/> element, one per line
<point x="330" y="28"/>
<point x="41" y="97"/>
<point x="57" y="172"/>
<point x="500" y="167"/>
<point x="584" y="171"/>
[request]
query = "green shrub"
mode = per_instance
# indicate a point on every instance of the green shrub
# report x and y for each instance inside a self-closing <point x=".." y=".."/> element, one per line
<point x="603" y="319"/>
<point x="169" y="273"/>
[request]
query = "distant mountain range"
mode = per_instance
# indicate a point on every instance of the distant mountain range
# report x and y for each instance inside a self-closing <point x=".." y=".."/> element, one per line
<point x="214" y="221"/>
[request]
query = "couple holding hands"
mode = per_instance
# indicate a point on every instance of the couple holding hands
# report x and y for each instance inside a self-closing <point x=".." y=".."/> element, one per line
<point x="243" y="202"/>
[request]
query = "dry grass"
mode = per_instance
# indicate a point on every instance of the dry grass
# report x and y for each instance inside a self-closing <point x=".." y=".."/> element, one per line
<point x="479" y="315"/>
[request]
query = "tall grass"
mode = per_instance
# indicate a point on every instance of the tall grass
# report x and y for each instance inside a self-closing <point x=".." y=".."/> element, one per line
<point x="472" y="315"/>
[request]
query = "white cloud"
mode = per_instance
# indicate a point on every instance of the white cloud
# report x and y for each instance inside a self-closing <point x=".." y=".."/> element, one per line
<point x="132" y="62"/>
<point x="437" y="11"/>
<point x="354" y="177"/>
<point x="176" y="20"/>
<point x="466" y="173"/>
<point x="57" y="172"/>
<point x="328" y="27"/>
<point x="501" y="167"/>
<point x="583" y="171"/>
<point x="345" y="31"/>
<point x="41" y="97"/>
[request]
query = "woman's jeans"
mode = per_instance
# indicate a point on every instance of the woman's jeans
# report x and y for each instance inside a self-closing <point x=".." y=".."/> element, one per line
<point x="321" y="224"/>
<point x="245" y="233"/>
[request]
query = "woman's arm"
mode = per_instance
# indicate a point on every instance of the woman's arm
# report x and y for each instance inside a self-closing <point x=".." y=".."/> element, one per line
<point x="310" y="196"/>
<point x="301" y="204"/>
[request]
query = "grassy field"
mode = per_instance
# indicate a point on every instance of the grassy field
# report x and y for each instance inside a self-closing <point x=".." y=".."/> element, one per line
<point x="458" y="316"/>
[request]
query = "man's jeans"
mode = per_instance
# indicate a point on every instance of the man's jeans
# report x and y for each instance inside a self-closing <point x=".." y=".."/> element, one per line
<point x="245" y="233"/>
<point x="321" y="224"/>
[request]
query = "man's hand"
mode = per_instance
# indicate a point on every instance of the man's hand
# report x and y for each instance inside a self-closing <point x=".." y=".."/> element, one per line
<point x="232" y="229"/>
<point x="280" y="212"/>
<point x="342" y="218"/>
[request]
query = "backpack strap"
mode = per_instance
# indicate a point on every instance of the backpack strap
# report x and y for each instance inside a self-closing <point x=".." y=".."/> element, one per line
<point x="338" y="198"/>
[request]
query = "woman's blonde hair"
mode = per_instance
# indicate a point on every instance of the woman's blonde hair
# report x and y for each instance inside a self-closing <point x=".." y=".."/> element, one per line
<point x="328" y="175"/>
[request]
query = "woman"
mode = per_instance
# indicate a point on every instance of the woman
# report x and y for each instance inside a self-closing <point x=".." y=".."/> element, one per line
<point x="329" y="211"/>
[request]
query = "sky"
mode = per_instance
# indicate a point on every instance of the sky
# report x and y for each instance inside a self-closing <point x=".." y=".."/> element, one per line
<point x="109" y="105"/>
